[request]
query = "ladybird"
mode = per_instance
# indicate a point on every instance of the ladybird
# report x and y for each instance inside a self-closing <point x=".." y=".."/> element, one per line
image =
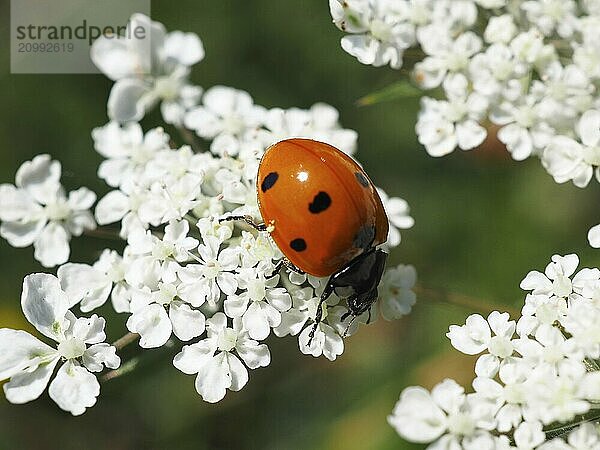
<point x="326" y="217"/>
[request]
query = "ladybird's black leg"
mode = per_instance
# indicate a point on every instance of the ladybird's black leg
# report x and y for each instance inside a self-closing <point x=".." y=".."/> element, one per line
<point x="288" y="264"/>
<point x="277" y="268"/>
<point x="292" y="267"/>
<point x="248" y="219"/>
<point x="324" y="296"/>
<point x="349" y="325"/>
<point x="369" y="318"/>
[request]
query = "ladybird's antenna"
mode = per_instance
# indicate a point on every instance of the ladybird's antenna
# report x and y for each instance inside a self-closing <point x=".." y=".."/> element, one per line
<point x="249" y="220"/>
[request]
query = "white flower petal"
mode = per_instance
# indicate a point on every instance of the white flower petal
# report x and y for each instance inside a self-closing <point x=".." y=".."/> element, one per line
<point x="113" y="57"/>
<point x="20" y="351"/>
<point x="254" y="354"/>
<point x="153" y="325"/>
<point x="112" y="207"/>
<point x="259" y="318"/>
<point x="594" y="236"/>
<point x="187" y="322"/>
<point x="537" y="282"/>
<point x="184" y="48"/>
<point x="239" y="373"/>
<point x="192" y="357"/>
<point x="128" y="100"/>
<point x="45" y="304"/>
<point x="80" y="280"/>
<point x="26" y="386"/>
<point x="16" y="204"/>
<point x="214" y="377"/>
<point x="40" y="177"/>
<point x="74" y="389"/>
<point x="588" y="128"/>
<point x="416" y="417"/>
<point x="22" y="234"/>
<point x="89" y="330"/>
<point x="52" y="245"/>
<point x="470" y="134"/>
<point x="81" y="199"/>
<point x="471" y="338"/>
<point x="99" y="355"/>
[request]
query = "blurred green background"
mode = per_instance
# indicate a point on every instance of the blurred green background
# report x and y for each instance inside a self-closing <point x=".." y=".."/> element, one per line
<point x="482" y="222"/>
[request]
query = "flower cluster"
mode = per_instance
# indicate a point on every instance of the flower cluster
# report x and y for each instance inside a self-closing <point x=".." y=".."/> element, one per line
<point x="37" y="211"/>
<point x="533" y="375"/>
<point x="530" y="67"/>
<point x="30" y="363"/>
<point x="184" y="275"/>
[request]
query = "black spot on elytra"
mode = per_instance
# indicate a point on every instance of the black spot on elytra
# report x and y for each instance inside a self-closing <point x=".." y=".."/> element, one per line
<point x="365" y="237"/>
<point x="362" y="179"/>
<point x="269" y="181"/>
<point x="320" y="203"/>
<point x="298" y="244"/>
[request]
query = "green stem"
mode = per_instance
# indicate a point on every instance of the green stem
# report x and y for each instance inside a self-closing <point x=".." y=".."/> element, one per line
<point x="104" y="233"/>
<point x="590" y="416"/>
<point x="126" y="367"/>
<point x="464" y="301"/>
<point x="125" y="340"/>
<point x="190" y="139"/>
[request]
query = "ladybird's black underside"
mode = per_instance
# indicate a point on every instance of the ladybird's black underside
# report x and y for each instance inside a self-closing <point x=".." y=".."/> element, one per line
<point x="362" y="179"/>
<point x="320" y="203"/>
<point x="269" y="181"/>
<point x="365" y="237"/>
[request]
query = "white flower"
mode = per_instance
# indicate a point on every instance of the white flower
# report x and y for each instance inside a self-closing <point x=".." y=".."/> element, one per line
<point x="443" y="125"/>
<point x="539" y="310"/>
<point x="500" y="29"/>
<point x="529" y="435"/>
<point x="510" y="393"/>
<point x="147" y="70"/>
<point x="37" y="211"/>
<point x="215" y="272"/>
<point x="445" y="54"/>
<point x="566" y="159"/>
<point x="259" y="305"/>
<point x="213" y="359"/>
<point x="326" y="341"/>
<point x="125" y="205"/>
<point x="547" y="377"/>
<point x="476" y="336"/>
<point x="90" y="286"/>
<point x="225" y="113"/>
<point x="552" y="15"/>
<point x="396" y="296"/>
<point x="565" y="92"/>
<point x="127" y="149"/>
<point x="523" y="131"/>
<point x="29" y="363"/>
<point x="492" y="71"/>
<point x="158" y="259"/>
<point x="380" y="30"/>
<point x="320" y="123"/>
<point x="157" y="314"/>
<point x="398" y="213"/>
<point x="556" y="278"/>
<point x="299" y="319"/>
<point x="446" y="414"/>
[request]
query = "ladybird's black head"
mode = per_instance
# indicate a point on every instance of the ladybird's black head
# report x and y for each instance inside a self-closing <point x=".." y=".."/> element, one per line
<point x="362" y="275"/>
<point x="359" y="279"/>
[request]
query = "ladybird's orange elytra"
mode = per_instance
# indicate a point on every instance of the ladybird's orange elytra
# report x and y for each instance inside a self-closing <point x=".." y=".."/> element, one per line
<point x="324" y="208"/>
